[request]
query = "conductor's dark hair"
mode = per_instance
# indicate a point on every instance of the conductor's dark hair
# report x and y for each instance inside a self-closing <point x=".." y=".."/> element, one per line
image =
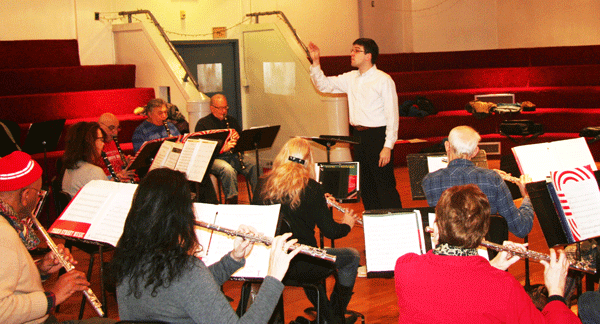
<point x="158" y="239"/>
<point x="370" y="47"/>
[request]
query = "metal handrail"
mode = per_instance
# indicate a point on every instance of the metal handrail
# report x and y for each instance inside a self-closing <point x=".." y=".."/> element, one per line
<point x="164" y="35"/>
<point x="287" y="22"/>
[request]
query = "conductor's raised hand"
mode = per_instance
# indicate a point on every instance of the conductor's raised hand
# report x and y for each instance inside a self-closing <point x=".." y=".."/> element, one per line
<point x="243" y="247"/>
<point x="280" y="258"/>
<point x="69" y="283"/>
<point x="555" y="273"/>
<point x="315" y="53"/>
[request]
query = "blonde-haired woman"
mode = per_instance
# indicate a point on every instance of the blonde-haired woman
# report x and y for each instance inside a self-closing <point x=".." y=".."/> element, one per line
<point x="303" y="205"/>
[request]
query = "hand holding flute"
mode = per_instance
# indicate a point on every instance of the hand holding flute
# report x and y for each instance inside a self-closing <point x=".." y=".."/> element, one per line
<point x="350" y="217"/>
<point x="280" y="258"/>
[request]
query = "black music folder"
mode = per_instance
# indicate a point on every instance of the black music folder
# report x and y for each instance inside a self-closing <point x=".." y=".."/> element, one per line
<point x="43" y="136"/>
<point x="145" y="156"/>
<point x="340" y="179"/>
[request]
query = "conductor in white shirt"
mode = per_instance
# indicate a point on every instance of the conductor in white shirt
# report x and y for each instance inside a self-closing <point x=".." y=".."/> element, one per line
<point x="373" y="112"/>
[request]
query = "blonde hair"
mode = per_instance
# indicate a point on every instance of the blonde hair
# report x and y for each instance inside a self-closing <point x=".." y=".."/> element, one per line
<point x="287" y="180"/>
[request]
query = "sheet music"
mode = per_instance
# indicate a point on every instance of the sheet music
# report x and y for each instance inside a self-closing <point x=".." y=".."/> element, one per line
<point x="161" y="156"/>
<point x="103" y="205"/>
<point x="194" y="158"/>
<point x="579" y="196"/>
<point x="174" y="155"/>
<point x="389" y="236"/>
<point x="538" y="160"/>
<point x="262" y="218"/>
<point x="435" y="163"/>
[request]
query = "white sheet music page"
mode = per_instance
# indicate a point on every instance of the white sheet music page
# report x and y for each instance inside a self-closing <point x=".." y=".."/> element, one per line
<point x="538" y="160"/>
<point x="262" y="218"/>
<point x="97" y="212"/>
<point x="173" y="156"/>
<point x="161" y="155"/>
<point x="195" y="157"/>
<point x="389" y="236"/>
<point x="435" y="163"/>
<point x="579" y="196"/>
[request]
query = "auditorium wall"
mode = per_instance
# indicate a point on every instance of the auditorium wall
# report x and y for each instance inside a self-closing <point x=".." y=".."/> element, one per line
<point x="399" y="25"/>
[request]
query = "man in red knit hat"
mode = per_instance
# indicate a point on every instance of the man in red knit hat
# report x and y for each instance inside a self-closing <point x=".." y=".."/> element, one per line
<point x="22" y="296"/>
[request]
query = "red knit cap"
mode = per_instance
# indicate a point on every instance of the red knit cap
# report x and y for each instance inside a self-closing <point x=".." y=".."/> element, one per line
<point x="18" y="170"/>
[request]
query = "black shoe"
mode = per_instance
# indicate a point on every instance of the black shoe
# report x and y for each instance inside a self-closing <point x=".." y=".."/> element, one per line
<point x="232" y="201"/>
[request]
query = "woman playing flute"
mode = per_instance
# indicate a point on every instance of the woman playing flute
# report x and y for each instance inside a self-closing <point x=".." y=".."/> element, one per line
<point x="452" y="284"/>
<point x="157" y="273"/>
<point x="303" y="205"/>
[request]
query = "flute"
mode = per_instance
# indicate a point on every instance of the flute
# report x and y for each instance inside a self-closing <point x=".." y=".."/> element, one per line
<point x="532" y="255"/>
<point x="89" y="294"/>
<point x="342" y="209"/>
<point x="304" y="249"/>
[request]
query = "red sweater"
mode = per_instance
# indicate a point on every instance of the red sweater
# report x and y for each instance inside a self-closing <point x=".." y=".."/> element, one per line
<point x="466" y="289"/>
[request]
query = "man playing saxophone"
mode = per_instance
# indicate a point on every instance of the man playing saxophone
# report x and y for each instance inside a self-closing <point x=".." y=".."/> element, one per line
<point x="22" y="296"/>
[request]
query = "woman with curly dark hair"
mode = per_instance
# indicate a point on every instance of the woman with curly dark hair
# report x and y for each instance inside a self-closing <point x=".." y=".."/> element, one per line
<point x="159" y="277"/>
<point x="82" y="156"/>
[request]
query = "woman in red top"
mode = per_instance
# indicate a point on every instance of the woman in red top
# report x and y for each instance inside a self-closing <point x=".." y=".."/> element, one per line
<point x="452" y="284"/>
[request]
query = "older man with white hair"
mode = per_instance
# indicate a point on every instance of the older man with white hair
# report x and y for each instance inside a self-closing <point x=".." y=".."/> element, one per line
<point x="461" y="147"/>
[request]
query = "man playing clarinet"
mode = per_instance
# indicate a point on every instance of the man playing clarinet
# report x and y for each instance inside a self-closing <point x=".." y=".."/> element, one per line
<point x="23" y="299"/>
<point x="110" y="124"/>
<point x="228" y="164"/>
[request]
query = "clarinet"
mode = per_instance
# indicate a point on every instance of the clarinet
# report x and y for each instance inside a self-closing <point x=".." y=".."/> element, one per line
<point x="342" y="209"/>
<point x="110" y="167"/>
<point x="304" y="249"/>
<point x="89" y="294"/>
<point x="167" y="128"/>
<point x="239" y="154"/>
<point x="532" y="255"/>
<point x="116" y="140"/>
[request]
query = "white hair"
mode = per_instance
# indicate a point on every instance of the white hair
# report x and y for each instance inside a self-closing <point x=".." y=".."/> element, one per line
<point x="463" y="140"/>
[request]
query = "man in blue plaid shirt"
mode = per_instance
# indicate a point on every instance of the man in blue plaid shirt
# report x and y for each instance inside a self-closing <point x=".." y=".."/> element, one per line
<point x="461" y="147"/>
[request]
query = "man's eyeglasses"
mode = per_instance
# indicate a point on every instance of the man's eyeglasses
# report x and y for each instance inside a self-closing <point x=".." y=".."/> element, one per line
<point x="221" y="108"/>
<point x="112" y="127"/>
<point x="356" y="51"/>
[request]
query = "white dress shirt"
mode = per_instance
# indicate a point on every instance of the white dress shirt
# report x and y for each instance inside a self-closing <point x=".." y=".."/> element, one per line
<point x="372" y="98"/>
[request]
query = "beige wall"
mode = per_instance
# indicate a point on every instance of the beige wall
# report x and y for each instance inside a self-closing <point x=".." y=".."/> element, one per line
<point x="398" y="25"/>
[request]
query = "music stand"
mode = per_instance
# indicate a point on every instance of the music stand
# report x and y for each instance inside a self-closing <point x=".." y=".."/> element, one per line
<point x="43" y="137"/>
<point x="145" y="155"/>
<point x="255" y="139"/>
<point x="330" y="140"/>
<point x="219" y="137"/>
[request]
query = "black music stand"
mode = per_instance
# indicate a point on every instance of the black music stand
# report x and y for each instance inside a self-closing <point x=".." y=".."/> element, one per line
<point x="255" y="139"/>
<point x="330" y="140"/>
<point x="145" y="156"/>
<point x="44" y="137"/>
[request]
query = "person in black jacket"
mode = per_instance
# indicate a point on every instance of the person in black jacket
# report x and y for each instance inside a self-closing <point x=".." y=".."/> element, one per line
<point x="303" y="205"/>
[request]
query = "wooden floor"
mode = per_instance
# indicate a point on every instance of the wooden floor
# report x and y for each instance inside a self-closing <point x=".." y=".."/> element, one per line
<point x="375" y="298"/>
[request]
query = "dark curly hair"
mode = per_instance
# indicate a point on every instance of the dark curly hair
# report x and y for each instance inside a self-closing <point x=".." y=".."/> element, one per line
<point x="158" y="237"/>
